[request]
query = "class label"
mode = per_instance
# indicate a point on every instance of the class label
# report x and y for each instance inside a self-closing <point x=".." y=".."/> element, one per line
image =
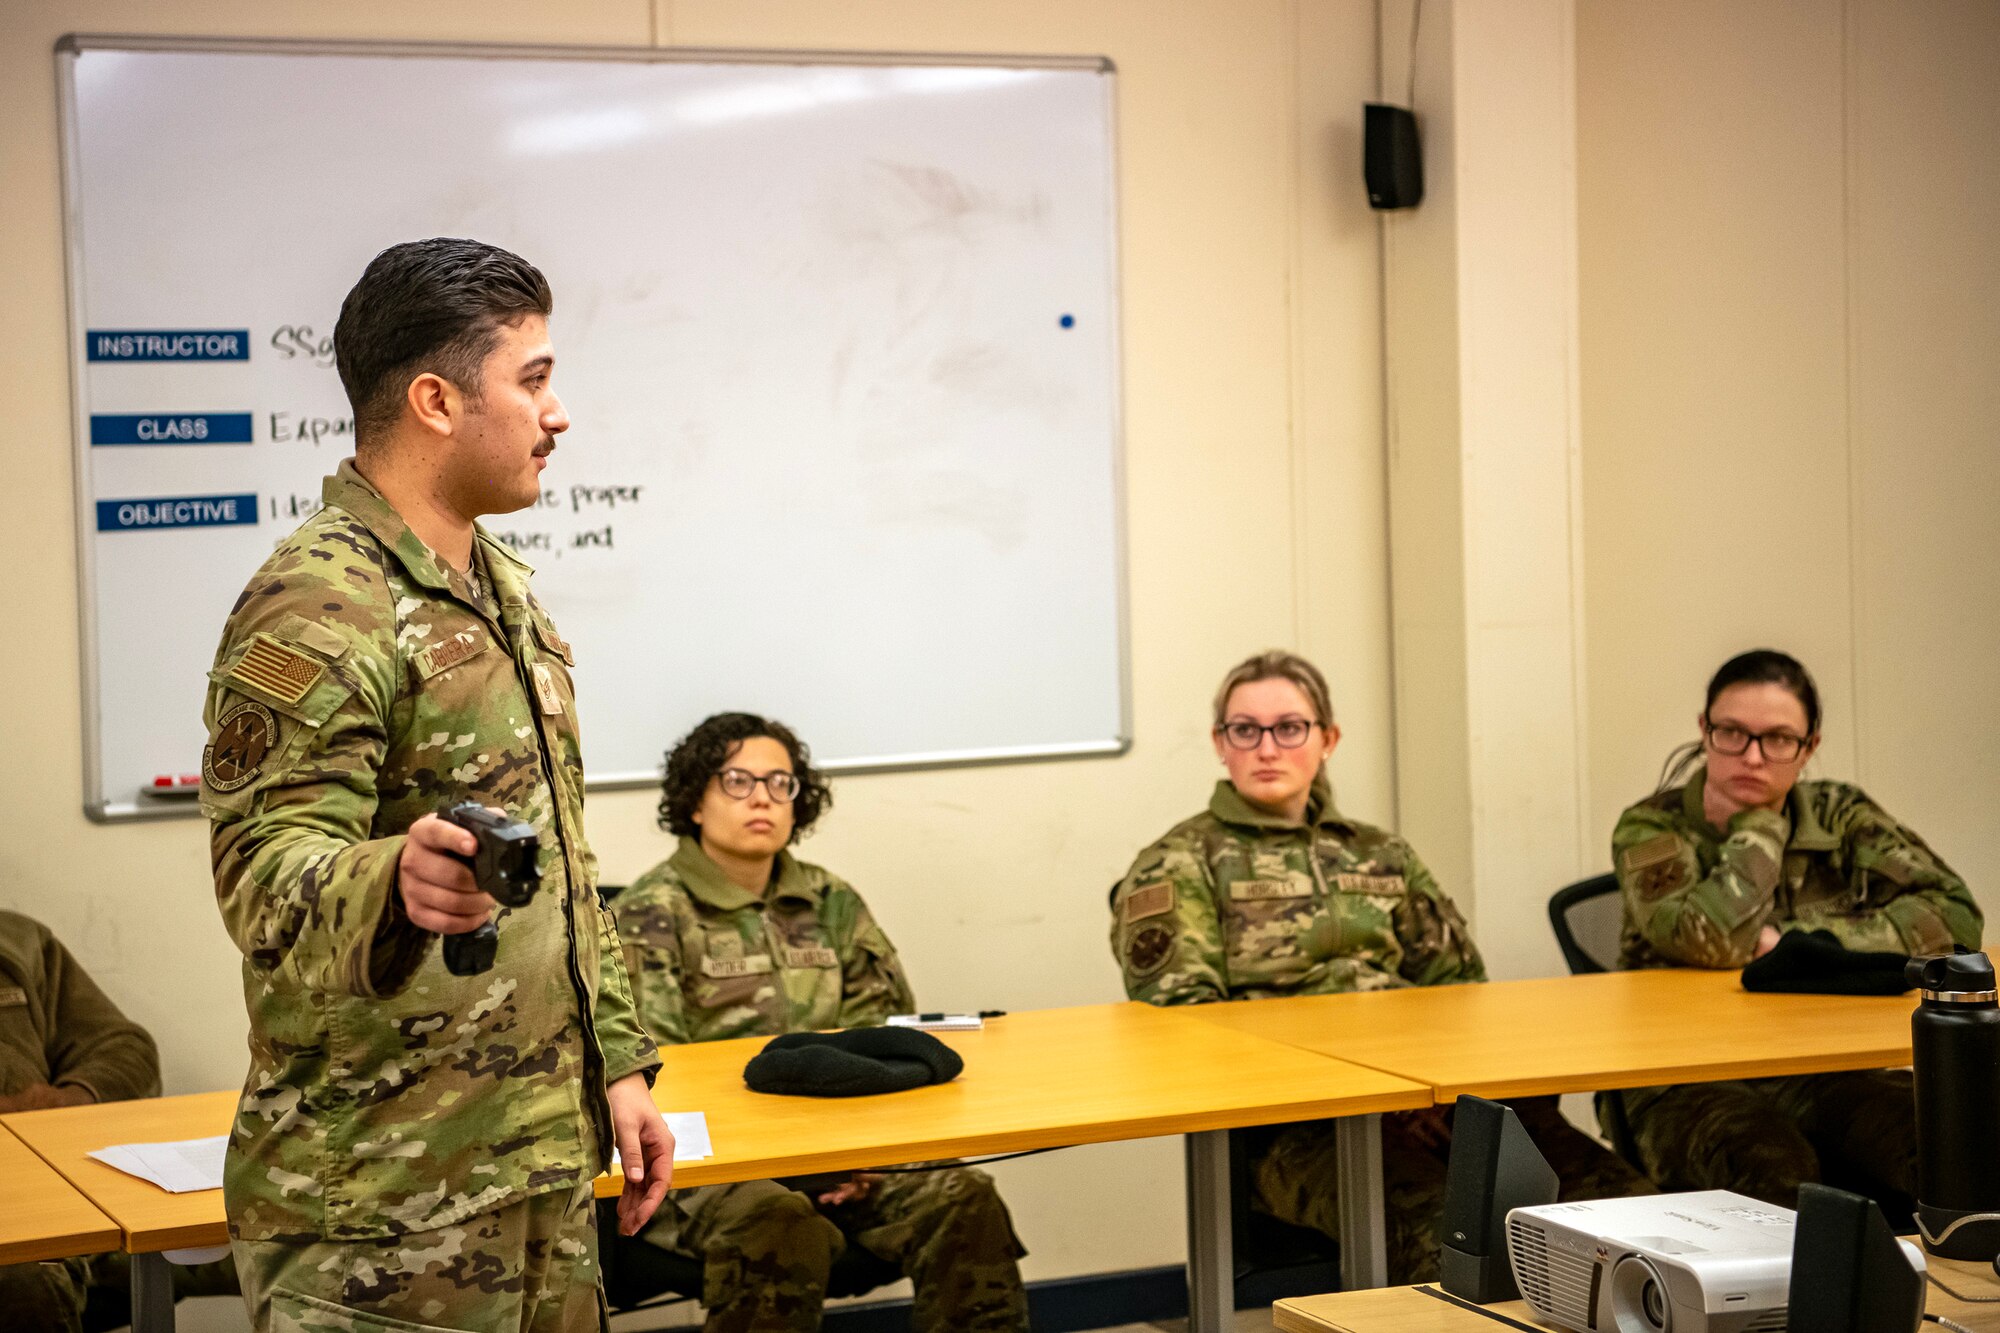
<point x="188" y="511"/>
<point x="170" y="428"/>
<point x="168" y="344"/>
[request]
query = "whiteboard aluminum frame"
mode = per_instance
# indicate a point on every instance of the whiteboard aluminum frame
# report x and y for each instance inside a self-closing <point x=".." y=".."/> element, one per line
<point x="100" y="808"/>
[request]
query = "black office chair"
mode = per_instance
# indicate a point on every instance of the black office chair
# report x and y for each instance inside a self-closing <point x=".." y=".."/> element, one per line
<point x="1589" y="917"/>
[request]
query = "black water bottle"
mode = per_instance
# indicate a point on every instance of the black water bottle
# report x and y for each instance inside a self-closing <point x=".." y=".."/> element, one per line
<point x="1956" y="1036"/>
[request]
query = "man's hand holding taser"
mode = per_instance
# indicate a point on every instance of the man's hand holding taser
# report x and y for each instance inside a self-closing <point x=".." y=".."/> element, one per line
<point x="439" y="893"/>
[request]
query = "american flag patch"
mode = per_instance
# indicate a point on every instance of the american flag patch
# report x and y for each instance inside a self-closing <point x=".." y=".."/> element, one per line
<point x="269" y="666"/>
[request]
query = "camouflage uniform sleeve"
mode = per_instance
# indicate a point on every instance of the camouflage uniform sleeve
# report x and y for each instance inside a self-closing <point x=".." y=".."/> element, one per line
<point x="1697" y="920"/>
<point x="628" y="1048"/>
<point x="1437" y="947"/>
<point x="303" y="888"/>
<point x="91" y="1044"/>
<point x="1165" y="931"/>
<point x="651" y="945"/>
<point x="872" y="982"/>
<point x="1924" y="907"/>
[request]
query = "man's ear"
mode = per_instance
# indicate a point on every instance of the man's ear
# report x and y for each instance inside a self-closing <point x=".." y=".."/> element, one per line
<point x="435" y="402"/>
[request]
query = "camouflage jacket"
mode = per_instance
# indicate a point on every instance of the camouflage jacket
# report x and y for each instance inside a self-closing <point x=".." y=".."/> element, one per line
<point x="709" y="960"/>
<point x="362" y="683"/>
<point x="57" y="1027"/>
<point x="1237" y="904"/>
<point x="1699" y="896"/>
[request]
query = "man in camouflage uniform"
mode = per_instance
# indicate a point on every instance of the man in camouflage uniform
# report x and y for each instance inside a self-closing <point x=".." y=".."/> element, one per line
<point x="1701" y="896"/>
<point x="711" y="960"/>
<point x="1240" y="904"/>
<point x="413" y="1147"/>
<point x="64" y="1043"/>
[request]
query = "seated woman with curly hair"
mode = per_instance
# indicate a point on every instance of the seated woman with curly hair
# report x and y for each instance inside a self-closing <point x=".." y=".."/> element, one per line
<point x="733" y="936"/>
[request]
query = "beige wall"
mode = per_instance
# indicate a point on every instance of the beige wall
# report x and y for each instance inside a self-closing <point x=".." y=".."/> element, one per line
<point x="1255" y="500"/>
<point x="1790" y="319"/>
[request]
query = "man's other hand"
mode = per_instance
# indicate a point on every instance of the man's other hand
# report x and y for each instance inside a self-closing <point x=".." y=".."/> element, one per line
<point x="42" y="1097"/>
<point x="439" y="893"/>
<point x="645" y="1147"/>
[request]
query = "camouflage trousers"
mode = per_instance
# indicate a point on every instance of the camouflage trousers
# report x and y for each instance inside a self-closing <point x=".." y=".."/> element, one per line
<point x="1765" y="1137"/>
<point x="93" y="1292"/>
<point x="767" y="1251"/>
<point x="530" y="1267"/>
<point x="1296" y="1176"/>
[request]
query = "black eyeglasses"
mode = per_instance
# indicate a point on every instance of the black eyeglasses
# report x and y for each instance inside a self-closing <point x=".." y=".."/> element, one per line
<point x="740" y="782"/>
<point x="1290" y="734"/>
<point x="1779" y="747"/>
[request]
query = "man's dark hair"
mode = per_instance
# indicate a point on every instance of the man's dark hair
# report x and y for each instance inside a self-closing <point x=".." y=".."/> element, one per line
<point x="707" y="750"/>
<point x="428" y="307"/>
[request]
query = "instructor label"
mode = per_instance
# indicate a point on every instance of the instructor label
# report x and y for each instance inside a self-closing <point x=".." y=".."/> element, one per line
<point x="168" y="344"/>
<point x="170" y="428"/>
<point x="190" y="511"/>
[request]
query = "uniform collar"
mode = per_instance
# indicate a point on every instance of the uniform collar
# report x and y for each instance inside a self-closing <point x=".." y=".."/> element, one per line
<point x="1228" y="805"/>
<point x="1808" y="833"/>
<point x="707" y="881"/>
<point x="349" y="490"/>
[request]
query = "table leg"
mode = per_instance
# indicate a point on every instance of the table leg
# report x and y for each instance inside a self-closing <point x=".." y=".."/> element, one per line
<point x="1211" y="1265"/>
<point x="1364" y="1242"/>
<point x="152" y="1294"/>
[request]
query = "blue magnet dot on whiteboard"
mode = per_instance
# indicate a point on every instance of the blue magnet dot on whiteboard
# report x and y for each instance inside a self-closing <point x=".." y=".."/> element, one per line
<point x="1068" y="321"/>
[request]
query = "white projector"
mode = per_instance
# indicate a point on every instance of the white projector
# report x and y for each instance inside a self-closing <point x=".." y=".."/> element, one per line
<point x="1710" y="1262"/>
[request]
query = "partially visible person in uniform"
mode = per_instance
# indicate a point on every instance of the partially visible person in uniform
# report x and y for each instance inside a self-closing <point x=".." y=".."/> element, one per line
<point x="1272" y="891"/>
<point x="1713" y="867"/>
<point x="733" y="936"/>
<point x="64" y="1043"/>
<point x="415" y="1147"/>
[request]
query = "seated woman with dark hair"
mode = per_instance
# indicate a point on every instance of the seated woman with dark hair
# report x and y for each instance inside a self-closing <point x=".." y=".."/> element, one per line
<point x="732" y="936"/>
<point x="1714" y="866"/>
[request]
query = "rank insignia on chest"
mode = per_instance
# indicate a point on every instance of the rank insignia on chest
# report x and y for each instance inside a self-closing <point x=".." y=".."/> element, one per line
<point x="545" y="689"/>
<point x="1268" y="890"/>
<point x="811" y="955"/>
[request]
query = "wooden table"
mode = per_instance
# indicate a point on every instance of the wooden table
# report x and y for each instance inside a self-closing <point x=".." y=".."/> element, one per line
<point x="1421" y="1310"/>
<point x="45" y="1217"/>
<point x="1584" y="1033"/>
<point x="1033" y="1080"/>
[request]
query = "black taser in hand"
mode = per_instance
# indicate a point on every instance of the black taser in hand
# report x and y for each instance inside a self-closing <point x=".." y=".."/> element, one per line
<point x="506" y="869"/>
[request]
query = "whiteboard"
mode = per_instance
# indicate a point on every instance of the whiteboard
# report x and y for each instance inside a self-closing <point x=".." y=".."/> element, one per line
<point x="838" y="336"/>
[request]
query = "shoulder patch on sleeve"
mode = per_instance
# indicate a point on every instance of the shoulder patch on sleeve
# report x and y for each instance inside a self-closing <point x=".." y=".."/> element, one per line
<point x="311" y="634"/>
<point x="1660" y="847"/>
<point x="1153" y="900"/>
<point x="244" y="738"/>
<point x="1148" y="948"/>
<point x="282" y="672"/>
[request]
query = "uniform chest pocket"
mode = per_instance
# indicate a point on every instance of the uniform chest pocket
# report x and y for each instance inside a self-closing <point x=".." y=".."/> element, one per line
<point x="1268" y="922"/>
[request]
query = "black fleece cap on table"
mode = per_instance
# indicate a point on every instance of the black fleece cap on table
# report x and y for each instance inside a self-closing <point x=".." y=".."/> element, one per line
<point x="856" y="1063"/>
<point x="1815" y="962"/>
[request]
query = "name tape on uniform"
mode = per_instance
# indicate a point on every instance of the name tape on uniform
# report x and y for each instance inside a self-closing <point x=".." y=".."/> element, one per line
<point x="190" y="511"/>
<point x="170" y="428"/>
<point x="167" y="344"/>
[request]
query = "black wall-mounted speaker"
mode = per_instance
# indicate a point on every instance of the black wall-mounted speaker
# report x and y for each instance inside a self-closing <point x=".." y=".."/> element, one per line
<point x="1391" y="160"/>
<point x="1495" y="1167"/>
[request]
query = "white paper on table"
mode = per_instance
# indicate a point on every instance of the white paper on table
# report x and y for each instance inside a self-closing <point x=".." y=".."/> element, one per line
<point x="178" y="1168"/>
<point x="690" y="1131"/>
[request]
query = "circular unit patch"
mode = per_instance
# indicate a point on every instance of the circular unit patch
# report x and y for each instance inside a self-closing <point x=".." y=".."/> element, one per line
<point x="243" y="739"/>
<point x="1149" y="949"/>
